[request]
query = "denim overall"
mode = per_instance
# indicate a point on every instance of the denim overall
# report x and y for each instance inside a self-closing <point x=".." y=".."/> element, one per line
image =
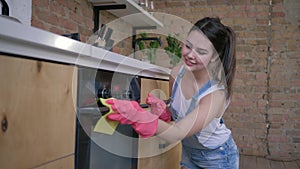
<point x="194" y="154"/>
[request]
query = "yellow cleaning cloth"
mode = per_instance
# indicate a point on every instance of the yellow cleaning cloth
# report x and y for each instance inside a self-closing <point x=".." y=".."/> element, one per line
<point x="103" y="125"/>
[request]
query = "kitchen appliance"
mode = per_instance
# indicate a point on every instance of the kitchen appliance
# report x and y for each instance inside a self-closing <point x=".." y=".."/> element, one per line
<point x="103" y="39"/>
<point x="75" y="36"/>
<point x="97" y="150"/>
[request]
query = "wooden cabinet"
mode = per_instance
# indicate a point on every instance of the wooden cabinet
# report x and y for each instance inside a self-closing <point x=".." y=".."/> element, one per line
<point x="38" y="116"/>
<point x="37" y="111"/>
<point x="155" y="152"/>
<point x="160" y="88"/>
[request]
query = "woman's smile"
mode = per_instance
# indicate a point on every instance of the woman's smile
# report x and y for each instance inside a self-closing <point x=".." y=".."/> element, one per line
<point x="197" y="51"/>
<point x="189" y="62"/>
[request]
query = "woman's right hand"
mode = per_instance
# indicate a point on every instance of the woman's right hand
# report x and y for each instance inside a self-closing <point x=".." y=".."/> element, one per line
<point x="129" y="112"/>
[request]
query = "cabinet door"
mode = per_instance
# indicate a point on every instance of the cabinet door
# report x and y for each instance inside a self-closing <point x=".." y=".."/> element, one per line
<point x="67" y="162"/>
<point x="160" y="88"/>
<point x="37" y="112"/>
<point x="155" y="152"/>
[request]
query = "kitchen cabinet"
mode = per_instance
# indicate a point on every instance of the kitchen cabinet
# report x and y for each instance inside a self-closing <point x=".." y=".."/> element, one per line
<point x="38" y="117"/>
<point x="38" y="97"/>
<point x="155" y="152"/>
<point x="37" y="114"/>
<point x="65" y="163"/>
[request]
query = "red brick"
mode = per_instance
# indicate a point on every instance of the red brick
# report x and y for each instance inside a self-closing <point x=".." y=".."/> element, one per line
<point x="57" y="9"/>
<point x="278" y="139"/>
<point x="278" y="14"/>
<point x="236" y="14"/>
<point x="264" y="2"/>
<point x="160" y="5"/>
<point x="175" y="4"/>
<point x="40" y="3"/>
<point x="57" y="30"/>
<point x="76" y="18"/>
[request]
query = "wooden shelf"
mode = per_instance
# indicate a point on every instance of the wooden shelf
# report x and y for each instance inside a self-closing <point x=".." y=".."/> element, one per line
<point x="144" y="18"/>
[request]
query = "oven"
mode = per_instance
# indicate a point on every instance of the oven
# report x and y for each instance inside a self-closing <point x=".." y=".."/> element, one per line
<point x="96" y="150"/>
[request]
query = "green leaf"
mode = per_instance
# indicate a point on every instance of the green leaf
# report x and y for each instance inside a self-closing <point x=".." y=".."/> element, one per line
<point x="141" y="45"/>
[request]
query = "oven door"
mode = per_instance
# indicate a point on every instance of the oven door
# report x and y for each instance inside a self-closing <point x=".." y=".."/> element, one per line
<point x="97" y="150"/>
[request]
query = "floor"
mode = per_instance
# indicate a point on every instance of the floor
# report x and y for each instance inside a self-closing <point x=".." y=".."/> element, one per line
<point x="253" y="162"/>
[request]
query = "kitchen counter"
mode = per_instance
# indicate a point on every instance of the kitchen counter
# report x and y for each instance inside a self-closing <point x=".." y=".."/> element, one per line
<point x="25" y="41"/>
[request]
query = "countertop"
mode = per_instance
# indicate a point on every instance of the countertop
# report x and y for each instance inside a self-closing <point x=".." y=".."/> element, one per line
<point x="30" y="42"/>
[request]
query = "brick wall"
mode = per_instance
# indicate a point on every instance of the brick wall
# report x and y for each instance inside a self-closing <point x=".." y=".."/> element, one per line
<point x="264" y="114"/>
<point x="72" y="16"/>
<point x="284" y="84"/>
<point x="249" y="19"/>
<point x="63" y="17"/>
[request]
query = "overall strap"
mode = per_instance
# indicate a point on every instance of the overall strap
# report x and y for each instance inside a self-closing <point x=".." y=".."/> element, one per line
<point x="205" y="87"/>
<point x="177" y="80"/>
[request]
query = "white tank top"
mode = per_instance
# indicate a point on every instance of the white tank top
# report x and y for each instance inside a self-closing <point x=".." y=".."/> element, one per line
<point x="215" y="133"/>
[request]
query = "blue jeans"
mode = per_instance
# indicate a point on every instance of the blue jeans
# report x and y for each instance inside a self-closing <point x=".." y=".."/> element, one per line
<point x="225" y="156"/>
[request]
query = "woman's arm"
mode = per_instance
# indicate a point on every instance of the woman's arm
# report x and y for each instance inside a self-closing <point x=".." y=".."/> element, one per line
<point x="209" y="107"/>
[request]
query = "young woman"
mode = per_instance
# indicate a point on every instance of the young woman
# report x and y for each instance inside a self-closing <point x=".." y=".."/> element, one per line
<point x="201" y="91"/>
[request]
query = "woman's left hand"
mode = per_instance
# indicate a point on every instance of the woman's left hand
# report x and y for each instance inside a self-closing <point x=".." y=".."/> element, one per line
<point x="158" y="107"/>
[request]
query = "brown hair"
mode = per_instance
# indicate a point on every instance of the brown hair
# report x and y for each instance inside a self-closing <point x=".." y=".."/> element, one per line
<point x="223" y="39"/>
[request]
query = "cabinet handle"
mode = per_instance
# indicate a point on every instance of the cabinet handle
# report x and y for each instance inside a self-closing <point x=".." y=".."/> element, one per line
<point x="4" y="124"/>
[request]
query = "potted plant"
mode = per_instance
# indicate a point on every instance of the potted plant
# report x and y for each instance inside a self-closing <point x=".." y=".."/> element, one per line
<point x="149" y="46"/>
<point x="173" y="49"/>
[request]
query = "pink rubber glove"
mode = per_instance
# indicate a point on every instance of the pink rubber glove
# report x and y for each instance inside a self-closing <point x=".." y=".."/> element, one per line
<point x="158" y="107"/>
<point x="129" y="112"/>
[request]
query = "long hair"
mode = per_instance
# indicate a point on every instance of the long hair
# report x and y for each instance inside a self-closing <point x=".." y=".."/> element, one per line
<point x="223" y="40"/>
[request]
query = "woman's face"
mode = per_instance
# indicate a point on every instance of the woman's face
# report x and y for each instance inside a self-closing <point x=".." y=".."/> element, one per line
<point x="197" y="51"/>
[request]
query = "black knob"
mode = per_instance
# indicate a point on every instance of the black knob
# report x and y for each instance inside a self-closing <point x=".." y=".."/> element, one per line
<point x="127" y="94"/>
<point x="105" y="93"/>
